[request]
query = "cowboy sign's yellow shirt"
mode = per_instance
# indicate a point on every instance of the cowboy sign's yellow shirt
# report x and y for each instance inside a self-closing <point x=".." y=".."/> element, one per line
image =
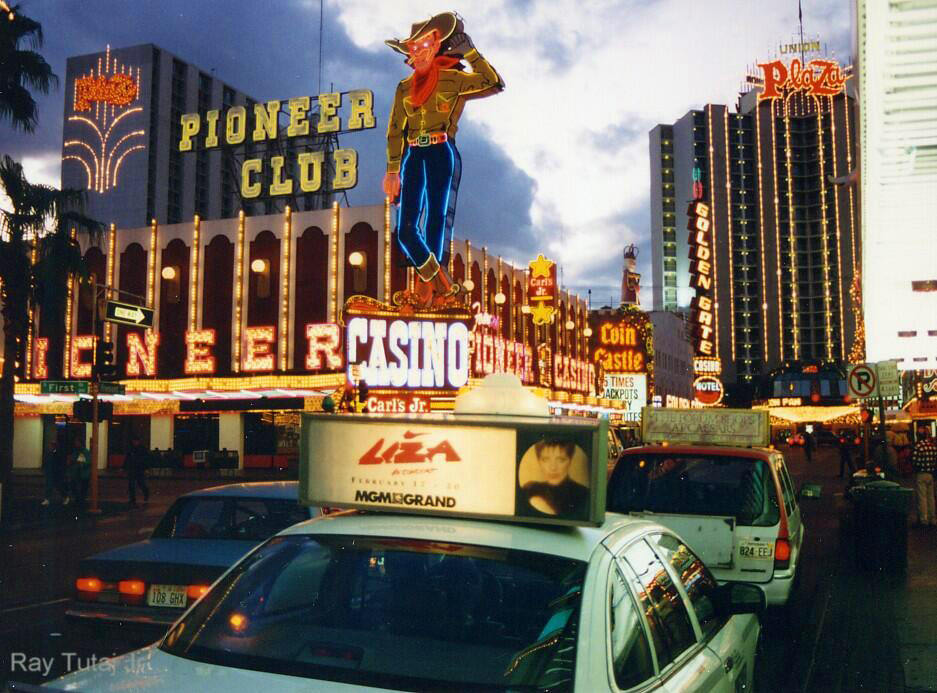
<point x="441" y="111"/>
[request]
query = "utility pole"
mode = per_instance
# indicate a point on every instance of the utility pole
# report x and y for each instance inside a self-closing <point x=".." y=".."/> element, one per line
<point x="93" y="482"/>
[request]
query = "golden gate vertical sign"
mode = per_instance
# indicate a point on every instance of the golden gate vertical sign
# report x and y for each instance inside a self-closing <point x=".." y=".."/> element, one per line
<point x="707" y="387"/>
<point x="701" y="276"/>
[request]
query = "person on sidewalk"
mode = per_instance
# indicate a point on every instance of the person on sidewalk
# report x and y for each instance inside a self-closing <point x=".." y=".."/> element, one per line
<point x="135" y="463"/>
<point x="53" y="468"/>
<point x="845" y="456"/>
<point x="924" y="461"/>
<point x="808" y="445"/>
<point x="79" y="470"/>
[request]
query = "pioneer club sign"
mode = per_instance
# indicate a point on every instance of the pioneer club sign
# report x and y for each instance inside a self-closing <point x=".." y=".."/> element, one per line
<point x="305" y="117"/>
<point x="323" y="352"/>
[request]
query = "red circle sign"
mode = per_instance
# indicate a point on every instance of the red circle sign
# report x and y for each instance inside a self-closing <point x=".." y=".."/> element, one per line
<point x="862" y="381"/>
<point x="708" y="390"/>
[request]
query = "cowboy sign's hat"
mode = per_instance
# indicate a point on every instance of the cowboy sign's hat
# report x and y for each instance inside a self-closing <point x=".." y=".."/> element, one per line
<point x="446" y="25"/>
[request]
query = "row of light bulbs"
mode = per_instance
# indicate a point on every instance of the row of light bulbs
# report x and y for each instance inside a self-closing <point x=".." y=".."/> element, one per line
<point x="261" y="266"/>
<point x="356" y="259"/>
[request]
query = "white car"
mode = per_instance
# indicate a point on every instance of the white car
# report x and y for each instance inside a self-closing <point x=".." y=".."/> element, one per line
<point x="737" y="507"/>
<point x="405" y="602"/>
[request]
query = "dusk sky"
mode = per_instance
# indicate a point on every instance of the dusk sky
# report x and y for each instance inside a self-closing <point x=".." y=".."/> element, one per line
<point x="557" y="163"/>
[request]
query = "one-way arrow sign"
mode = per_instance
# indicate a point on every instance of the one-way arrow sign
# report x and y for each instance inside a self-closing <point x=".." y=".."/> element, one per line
<point x="129" y="314"/>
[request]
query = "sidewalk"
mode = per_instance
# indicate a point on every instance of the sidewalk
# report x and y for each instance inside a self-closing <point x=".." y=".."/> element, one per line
<point x="916" y="612"/>
<point x="23" y="509"/>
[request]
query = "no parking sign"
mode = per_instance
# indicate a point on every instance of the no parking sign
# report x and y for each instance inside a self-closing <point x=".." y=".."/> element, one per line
<point x="862" y="380"/>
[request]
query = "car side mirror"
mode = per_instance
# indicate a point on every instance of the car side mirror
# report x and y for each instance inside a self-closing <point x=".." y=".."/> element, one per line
<point x="741" y="598"/>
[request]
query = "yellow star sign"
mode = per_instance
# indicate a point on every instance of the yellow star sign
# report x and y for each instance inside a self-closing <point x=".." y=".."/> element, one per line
<point x="541" y="312"/>
<point x="541" y="267"/>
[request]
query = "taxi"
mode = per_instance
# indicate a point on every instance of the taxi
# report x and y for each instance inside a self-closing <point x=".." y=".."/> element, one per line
<point x="469" y="560"/>
<point x="709" y="476"/>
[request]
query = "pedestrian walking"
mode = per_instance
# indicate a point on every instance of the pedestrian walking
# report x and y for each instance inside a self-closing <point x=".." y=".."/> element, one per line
<point x="808" y="445"/>
<point x="845" y="456"/>
<point x="924" y="462"/>
<point x="135" y="463"/>
<point x="79" y="470"/>
<point x="53" y="468"/>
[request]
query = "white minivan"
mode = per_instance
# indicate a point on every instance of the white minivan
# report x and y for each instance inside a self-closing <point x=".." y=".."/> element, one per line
<point x="735" y="507"/>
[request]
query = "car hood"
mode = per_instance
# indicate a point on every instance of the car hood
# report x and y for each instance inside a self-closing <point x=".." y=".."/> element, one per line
<point x="153" y="670"/>
<point x="171" y="561"/>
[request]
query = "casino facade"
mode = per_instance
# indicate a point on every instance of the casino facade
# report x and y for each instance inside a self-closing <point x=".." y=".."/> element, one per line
<point x="253" y="325"/>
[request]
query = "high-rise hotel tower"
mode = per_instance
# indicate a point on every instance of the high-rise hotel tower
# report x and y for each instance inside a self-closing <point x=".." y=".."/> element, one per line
<point x="785" y="243"/>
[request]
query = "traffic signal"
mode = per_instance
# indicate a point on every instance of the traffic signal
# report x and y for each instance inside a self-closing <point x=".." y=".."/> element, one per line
<point x="83" y="410"/>
<point x="104" y="365"/>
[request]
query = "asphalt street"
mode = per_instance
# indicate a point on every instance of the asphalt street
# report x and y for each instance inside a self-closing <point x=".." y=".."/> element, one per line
<point x="800" y="648"/>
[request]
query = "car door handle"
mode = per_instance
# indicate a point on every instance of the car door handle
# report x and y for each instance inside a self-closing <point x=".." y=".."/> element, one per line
<point x="730" y="663"/>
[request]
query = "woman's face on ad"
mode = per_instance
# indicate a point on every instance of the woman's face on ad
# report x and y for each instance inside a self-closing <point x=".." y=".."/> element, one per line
<point x="554" y="464"/>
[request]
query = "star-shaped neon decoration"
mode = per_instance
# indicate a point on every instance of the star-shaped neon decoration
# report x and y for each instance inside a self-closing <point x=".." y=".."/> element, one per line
<point x="541" y="267"/>
<point x="541" y="313"/>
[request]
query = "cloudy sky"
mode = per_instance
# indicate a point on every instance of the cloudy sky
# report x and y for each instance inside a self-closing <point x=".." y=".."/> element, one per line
<point x="557" y="163"/>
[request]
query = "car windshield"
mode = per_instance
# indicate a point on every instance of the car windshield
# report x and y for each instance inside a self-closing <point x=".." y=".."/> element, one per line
<point x="395" y="613"/>
<point x="227" y="517"/>
<point x="740" y="487"/>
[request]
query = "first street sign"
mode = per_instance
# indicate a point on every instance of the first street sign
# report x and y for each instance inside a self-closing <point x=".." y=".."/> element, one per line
<point x="129" y="314"/>
<point x="64" y="387"/>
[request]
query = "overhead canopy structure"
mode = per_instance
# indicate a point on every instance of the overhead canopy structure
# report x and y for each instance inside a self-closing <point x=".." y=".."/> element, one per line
<point x="814" y="414"/>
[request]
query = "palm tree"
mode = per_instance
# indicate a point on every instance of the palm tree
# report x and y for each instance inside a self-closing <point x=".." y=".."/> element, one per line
<point x="34" y="209"/>
<point x="22" y="70"/>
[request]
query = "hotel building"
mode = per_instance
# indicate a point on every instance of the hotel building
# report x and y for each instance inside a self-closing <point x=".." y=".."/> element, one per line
<point x="121" y="131"/>
<point x="785" y="239"/>
<point x="897" y="83"/>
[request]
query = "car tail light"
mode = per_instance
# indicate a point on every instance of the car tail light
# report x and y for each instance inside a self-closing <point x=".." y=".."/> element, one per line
<point x="131" y="591"/>
<point x="782" y="553"/>
<point x="131" y="588"/>
<point x="196" y="591"/>
<point x="88" y="584"/>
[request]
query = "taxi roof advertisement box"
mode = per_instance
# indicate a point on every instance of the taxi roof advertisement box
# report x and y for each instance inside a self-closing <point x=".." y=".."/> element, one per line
<point x="525" y="469"/>
<point x="736" y="427"/>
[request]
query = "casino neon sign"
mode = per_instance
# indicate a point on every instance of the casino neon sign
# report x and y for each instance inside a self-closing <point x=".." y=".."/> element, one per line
<point x="701" y="276"/>
<point x="409" y="353"/>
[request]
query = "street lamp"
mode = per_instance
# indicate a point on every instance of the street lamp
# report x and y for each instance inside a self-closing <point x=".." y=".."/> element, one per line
<point x="587" y="332"/>
<point x="168" y="273"/>
<point x="468" y="285"/>
<point x="500" y="298"/>
<point x="259" y="266"/>
<point x="356" y="259"/>
<point x="570" y="325"/>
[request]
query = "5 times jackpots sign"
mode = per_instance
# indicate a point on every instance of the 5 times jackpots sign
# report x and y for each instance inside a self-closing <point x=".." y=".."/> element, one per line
<point x="551" y="471"/>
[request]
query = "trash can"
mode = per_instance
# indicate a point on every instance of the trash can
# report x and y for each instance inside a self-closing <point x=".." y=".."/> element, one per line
<point x="881" y="525"/>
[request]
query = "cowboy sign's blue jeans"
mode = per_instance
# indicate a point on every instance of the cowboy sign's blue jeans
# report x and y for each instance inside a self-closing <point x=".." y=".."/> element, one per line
<point x="429" y="184"/>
